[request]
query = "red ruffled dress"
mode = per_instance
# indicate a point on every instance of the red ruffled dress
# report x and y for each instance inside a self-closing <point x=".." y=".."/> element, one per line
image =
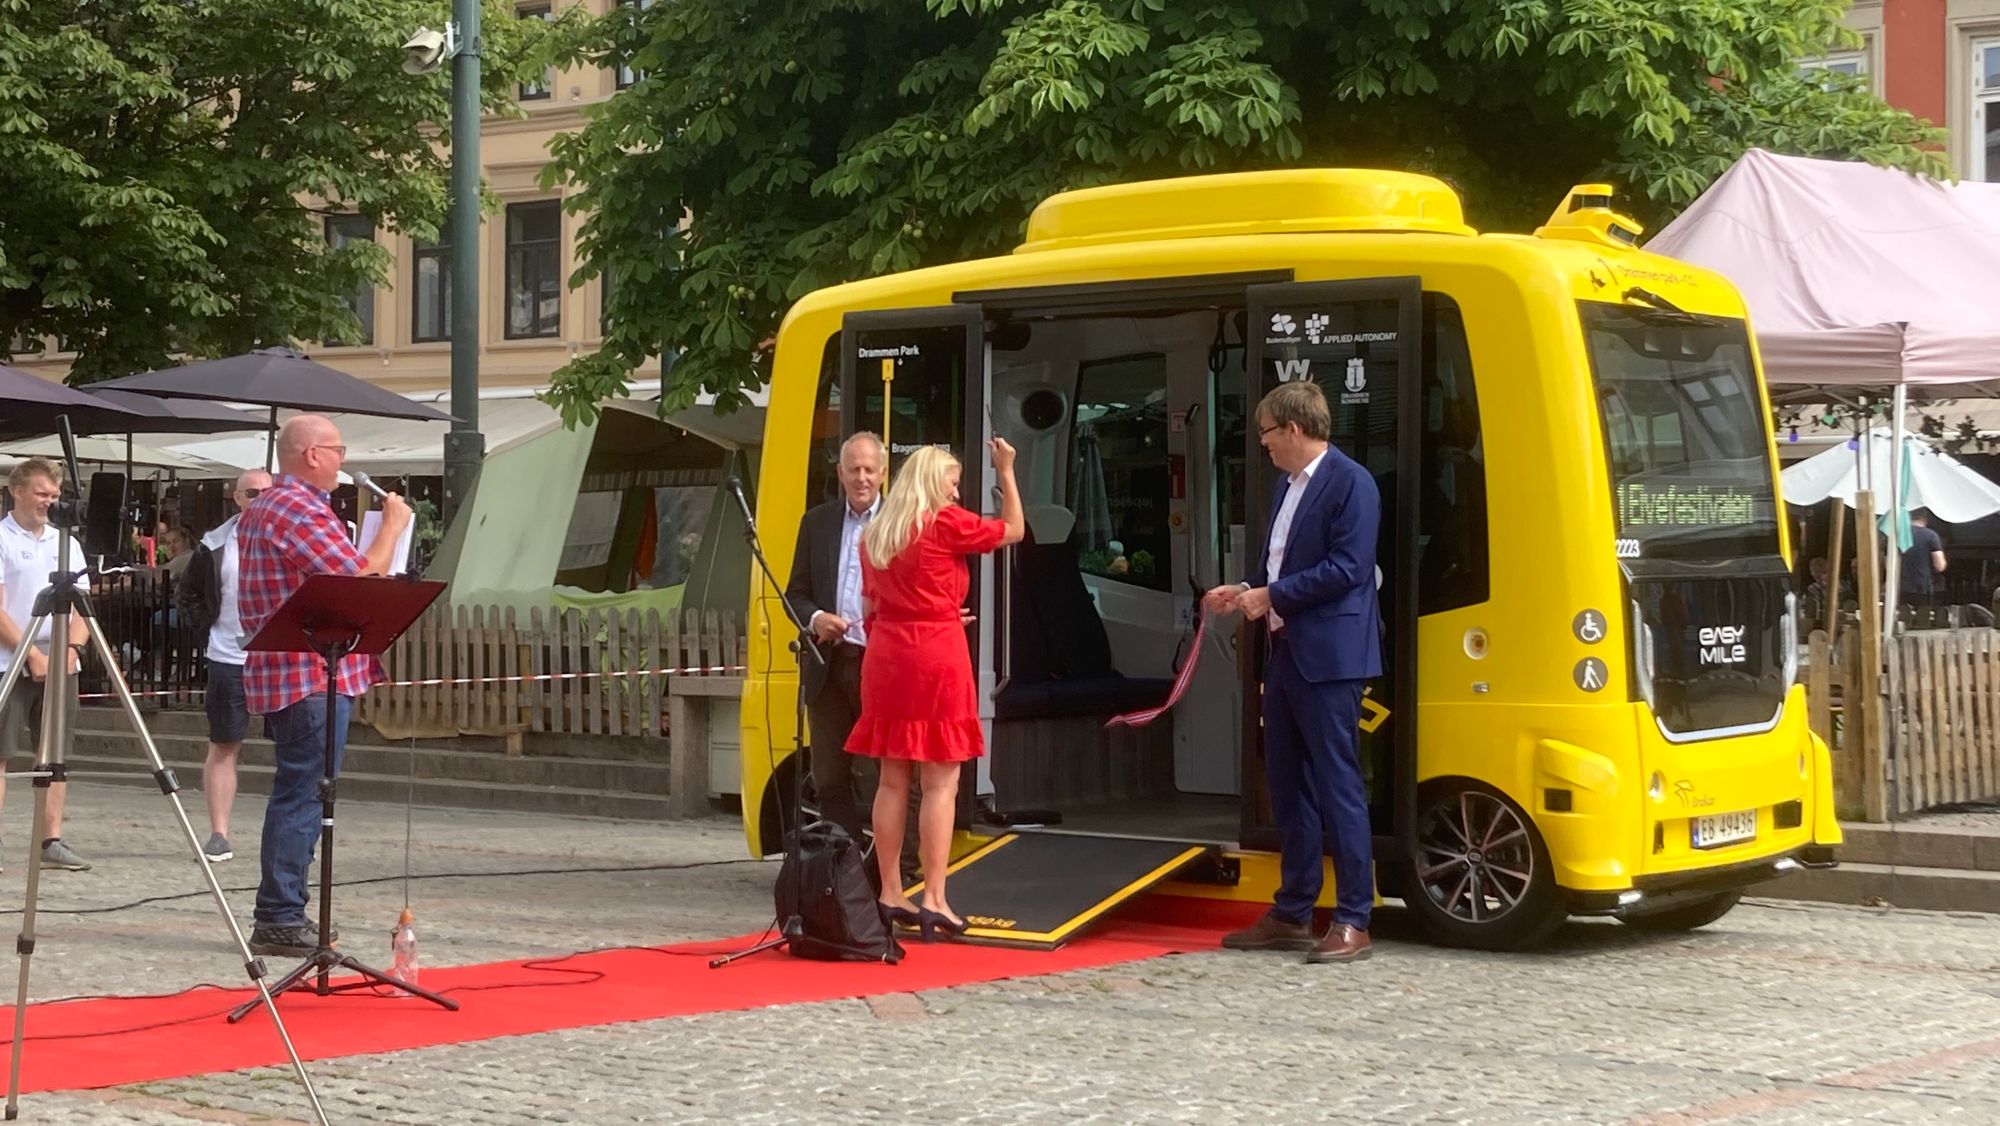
<point x="917" y="694"/>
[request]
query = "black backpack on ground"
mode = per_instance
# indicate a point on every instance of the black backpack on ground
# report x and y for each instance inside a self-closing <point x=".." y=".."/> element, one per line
<point x="824" y="882"/>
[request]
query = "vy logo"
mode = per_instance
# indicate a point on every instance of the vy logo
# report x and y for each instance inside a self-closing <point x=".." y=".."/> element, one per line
<point x="1289" y="370"/>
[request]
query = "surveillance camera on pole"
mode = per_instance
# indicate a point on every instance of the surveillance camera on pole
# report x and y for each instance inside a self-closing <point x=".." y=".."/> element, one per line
<point x="427" y="50"/>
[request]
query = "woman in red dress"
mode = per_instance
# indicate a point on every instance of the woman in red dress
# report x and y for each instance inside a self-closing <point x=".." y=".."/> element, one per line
<point x="918" y="706"/>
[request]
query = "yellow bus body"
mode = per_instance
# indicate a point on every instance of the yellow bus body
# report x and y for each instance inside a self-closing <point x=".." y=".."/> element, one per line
<point x="1512" y="717"/>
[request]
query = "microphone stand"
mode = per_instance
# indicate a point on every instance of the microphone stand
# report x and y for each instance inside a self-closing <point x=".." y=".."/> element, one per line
<point x="792" y="926"/>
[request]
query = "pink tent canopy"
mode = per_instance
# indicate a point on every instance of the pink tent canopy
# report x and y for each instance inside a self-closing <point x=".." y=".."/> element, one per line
<point x="1855" y="275"/>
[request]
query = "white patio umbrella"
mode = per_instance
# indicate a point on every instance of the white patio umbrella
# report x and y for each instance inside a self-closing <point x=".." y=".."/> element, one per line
<point x="1937" y="481"/>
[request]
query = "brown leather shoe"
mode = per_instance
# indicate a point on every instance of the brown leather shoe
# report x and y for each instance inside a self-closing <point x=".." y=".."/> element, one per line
<point x="1341" y="944"/>
<point x="1270" y="933"/>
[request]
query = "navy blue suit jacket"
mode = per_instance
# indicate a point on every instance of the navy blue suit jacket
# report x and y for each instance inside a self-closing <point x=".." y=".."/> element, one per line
<point x="1325" y="590"/>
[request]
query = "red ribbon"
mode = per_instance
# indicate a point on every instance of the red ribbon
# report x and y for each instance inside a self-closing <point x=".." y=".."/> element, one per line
<point x="1142" y="718"/>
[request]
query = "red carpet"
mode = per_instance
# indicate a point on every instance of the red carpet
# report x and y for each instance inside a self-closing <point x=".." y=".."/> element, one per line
<point x="106" y="1043"/>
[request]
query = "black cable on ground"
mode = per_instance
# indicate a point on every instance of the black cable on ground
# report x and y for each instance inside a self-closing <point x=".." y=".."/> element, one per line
<point x="401" y="876"/>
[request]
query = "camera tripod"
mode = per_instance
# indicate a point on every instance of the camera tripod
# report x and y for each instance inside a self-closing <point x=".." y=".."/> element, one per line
<point x="65" y="599"/>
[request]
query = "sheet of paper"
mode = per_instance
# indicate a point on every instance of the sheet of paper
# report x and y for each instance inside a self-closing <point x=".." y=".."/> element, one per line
<point x="399" y="560"/>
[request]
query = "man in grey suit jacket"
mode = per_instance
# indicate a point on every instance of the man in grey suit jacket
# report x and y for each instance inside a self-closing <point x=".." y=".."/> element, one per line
<point x="825" y="591"/>
<point x="1314" y="584"/>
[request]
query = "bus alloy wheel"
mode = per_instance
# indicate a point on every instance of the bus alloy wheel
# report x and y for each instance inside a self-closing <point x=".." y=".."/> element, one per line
<point x="1481" y="874"/>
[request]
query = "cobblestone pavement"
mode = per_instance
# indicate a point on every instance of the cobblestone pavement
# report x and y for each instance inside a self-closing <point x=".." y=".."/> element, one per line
<point x="1780" y="1013"/>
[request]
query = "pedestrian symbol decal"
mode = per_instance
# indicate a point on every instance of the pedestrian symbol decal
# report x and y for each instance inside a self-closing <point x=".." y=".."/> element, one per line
<point x="1589" y="627"/>
<point x="1591" y="675"/>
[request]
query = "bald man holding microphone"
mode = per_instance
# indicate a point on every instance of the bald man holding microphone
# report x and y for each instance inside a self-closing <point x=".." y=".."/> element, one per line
<point x="289" y="533"/>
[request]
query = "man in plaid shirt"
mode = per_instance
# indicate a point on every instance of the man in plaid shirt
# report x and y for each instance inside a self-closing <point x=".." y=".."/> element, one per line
<point x="288" y="533"/>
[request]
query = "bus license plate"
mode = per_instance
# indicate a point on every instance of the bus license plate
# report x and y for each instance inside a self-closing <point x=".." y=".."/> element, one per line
<point x="1720" y="829"/>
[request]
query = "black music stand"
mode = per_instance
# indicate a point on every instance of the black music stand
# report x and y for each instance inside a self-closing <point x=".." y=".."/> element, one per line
<point x="336" y="616"/>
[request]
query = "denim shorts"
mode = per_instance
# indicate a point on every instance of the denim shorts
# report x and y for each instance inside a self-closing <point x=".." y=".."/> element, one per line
<point x="228" y="718"/>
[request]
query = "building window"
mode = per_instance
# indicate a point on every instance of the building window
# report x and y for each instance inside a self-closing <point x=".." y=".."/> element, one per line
<point x="1850" y="63"/>
<point x="341" y="230"/>
<point x="534" y="269"/>
<point x="626" y="76"/>
<point x="544" y="89"/>
<point x="1986" y="110"/>
<point x="604" y="288"/>
<point x="430" y="303"/>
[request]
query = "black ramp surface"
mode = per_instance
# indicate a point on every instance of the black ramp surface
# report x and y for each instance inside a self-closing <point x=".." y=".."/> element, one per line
<point x="1042" y="889"/>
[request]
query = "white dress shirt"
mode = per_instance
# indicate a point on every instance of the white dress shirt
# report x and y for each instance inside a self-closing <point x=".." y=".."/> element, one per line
<point x="847" y="589"/>
<point x="1281" y="527"/>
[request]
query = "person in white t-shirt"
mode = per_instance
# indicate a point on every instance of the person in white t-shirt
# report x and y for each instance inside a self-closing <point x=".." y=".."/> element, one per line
<point x="28" y="553"/>
<point x="207" y="600"/>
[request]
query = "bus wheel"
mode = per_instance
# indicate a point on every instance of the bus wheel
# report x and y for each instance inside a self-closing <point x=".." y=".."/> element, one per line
<point x="1687" y="916"/>
<point x="1481" y="876"/>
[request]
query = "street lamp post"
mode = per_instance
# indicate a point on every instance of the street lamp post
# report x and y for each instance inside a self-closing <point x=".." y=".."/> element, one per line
<point x="464" y="445"/>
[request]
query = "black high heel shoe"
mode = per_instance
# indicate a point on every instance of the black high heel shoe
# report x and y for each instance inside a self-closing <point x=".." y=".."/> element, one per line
<point x="930" y="922"/>
<point x="900" y="916"/>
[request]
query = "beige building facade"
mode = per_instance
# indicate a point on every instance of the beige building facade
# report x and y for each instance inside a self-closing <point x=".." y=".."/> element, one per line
<point x="531" y="321"/>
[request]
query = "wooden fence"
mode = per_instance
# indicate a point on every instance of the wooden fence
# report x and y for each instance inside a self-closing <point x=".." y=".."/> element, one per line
<point x="1947" y="698"/>
<point x="480" y="670"/>
<point x="1938" y="694"/>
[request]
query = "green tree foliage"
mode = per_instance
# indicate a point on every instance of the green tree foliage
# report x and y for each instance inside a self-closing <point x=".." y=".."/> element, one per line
<point x="160" y="159"/>
<point x="776" y="146"/>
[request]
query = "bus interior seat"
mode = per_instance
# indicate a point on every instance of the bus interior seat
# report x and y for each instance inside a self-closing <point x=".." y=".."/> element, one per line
<point x="1061" y="655"/>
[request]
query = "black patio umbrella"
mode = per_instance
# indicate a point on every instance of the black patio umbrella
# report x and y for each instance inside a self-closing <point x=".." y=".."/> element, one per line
<point x="275" y="377"/>
<point x="30" y="407"/>
<point x="172" y="416"/>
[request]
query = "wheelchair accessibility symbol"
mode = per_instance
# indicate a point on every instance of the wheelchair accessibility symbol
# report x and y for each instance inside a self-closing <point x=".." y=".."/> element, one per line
<point x="1589" y="627"/>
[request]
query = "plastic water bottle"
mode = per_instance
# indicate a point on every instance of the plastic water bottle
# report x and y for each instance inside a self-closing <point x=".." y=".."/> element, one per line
<point x="403" y="949"/>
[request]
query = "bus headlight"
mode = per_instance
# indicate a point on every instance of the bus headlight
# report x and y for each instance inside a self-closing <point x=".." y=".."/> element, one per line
<point x="1788" y="638"/>
<point x="1642" y="656"/>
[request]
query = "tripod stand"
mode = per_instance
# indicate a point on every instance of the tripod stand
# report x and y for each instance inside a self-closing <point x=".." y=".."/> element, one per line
<point x="55" y="607"/>
<point x="792" y="926"/>
<point x="334" y="616"/>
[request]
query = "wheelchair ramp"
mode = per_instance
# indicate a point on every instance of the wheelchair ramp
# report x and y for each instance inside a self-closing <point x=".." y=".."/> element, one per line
<point x="1042" y="889"/>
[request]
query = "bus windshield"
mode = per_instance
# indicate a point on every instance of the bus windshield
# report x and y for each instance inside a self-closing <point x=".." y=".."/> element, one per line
<point x="1685" y="432"/>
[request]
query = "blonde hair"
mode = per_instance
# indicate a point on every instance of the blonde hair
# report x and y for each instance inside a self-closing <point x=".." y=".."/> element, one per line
<point x="33" y="467"/>
<point x="923" y="488"/>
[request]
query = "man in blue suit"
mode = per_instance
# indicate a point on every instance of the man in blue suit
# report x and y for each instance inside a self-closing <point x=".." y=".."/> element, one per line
<point x="1315" y="586"/>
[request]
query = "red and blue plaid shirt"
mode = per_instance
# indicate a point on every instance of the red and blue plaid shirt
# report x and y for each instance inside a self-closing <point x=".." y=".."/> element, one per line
<point x="288" y="533"/>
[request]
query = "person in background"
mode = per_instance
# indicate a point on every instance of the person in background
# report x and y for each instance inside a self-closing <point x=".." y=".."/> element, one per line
<point x="1812" y="606"/>
<point x="1923" y="561"/>
<point x="918" y="697"/>
<point x="180" y="551"/>
<point x="29" y="547"/>
<point x="208" y="599"/>
<point x="825" y="592"/>
<point x="288" y="533"/>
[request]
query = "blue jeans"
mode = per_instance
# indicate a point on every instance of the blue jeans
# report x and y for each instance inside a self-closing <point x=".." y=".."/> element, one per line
<point x="1312" y="765"/>
<point x="291" y="816"/>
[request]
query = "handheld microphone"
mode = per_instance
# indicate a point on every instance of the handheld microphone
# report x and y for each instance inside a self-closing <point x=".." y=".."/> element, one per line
<point x="735" y="486"/>
<point x="363" y="481"/>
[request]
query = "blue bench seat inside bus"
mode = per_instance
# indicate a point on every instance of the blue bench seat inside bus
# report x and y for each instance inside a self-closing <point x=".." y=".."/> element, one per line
<point x="1061" y="656"/>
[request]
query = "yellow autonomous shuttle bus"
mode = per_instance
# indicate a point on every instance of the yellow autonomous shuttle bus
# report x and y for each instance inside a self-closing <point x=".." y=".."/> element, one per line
<point x="1589" y="704"/>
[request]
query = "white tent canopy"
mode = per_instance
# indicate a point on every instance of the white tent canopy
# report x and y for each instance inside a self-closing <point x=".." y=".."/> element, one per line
<point x="145" y="452"/>
<point x="1937" y="481"/>
<point x="1854" y="275"/>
